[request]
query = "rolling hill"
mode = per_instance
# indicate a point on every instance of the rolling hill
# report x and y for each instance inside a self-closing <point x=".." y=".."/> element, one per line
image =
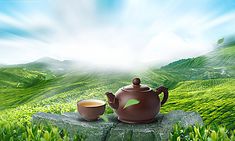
<point x="216" y="64"/>
<point x="20" y="77"/>
<point x="204" y="84"/>
<point x="220" y="57"/>
<point x="39" y="80"/>
<point x="19" y="85"/>
<point x="213" y="99"/>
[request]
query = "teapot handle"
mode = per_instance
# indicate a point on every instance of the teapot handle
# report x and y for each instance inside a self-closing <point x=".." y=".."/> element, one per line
<point x="161" y="89"/>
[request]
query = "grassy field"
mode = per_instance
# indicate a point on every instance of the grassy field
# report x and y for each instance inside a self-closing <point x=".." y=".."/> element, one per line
<point x="198" y="84"/>
<point x="213" y="99"/>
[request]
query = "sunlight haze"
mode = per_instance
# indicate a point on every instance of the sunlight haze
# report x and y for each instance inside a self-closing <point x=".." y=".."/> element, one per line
<point x="117" y="33"/>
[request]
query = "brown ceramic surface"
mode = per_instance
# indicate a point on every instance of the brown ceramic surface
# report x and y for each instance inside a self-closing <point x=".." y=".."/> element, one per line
<point x="145" y="110"/>
<point x="91" y="109"/>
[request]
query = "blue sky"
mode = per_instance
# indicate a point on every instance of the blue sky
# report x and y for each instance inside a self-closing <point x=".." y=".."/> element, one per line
<point x="98" y="32"/>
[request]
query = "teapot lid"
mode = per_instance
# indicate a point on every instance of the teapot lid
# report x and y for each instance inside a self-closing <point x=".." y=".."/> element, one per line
<point x="136" y="86"/>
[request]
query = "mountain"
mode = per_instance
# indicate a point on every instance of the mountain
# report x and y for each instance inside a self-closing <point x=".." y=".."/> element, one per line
<point x="221" y="57"/>
<point x="61" y="67"/>
<point x="50" y="64"/>
<point x="216" y="64"/>
<point x="197" y="62"/>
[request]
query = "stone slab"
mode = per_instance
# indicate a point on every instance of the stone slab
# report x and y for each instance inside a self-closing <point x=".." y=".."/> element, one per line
<point x="114" y="130"/>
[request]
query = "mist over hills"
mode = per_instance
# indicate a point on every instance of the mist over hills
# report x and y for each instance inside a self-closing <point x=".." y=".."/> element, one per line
<point x="62" y="75"/>
<point x="219" y="63"/>
<point x="50" y="64"/>
<point x="204" y="84"/>
<point x="221" y="59"/>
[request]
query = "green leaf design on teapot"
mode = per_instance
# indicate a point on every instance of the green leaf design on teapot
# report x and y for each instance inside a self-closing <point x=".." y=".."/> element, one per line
<point x="131" y="102"/>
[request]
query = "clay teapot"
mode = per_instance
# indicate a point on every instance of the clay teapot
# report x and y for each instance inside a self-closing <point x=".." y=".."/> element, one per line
<point x="146" y="103"/>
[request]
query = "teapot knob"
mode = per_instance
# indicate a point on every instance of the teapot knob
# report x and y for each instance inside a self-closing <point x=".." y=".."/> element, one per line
<point x="136" y="81"/>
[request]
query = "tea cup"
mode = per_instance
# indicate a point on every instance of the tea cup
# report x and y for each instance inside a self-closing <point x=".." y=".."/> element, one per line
<point x="91" y="109"/>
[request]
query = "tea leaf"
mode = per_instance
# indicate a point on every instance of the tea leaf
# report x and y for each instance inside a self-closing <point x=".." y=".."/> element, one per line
<point x="104" y="118"/>
<point x="220" y="41"/>
<point x="131" y="102"/>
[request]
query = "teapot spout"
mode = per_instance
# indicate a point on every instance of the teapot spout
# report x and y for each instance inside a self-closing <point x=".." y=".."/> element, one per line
<point x="112" y="100"/>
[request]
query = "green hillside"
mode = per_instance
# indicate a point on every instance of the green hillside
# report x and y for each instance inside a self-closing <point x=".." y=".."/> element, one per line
<point x="220" y="57"/>
<point x="216" y="64"/>
<point x="19" y="85"/>
<point x="20" y="77"/>
<point x="46" y="85"/>
<point x="204" y="84"/>
<point x="189" y="63"/>
<point x="213" y="99"/>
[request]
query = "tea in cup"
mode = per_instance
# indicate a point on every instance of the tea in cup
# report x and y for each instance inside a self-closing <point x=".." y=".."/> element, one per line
<point x="91" y="109"/>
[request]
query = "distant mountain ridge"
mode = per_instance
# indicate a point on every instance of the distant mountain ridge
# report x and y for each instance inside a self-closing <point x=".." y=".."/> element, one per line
<point x="219" y="63"/>
<point x="50" y="64"/>
<point x="220" y="57"/>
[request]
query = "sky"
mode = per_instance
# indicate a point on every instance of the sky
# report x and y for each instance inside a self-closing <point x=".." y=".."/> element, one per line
<point x="114" y="33"/>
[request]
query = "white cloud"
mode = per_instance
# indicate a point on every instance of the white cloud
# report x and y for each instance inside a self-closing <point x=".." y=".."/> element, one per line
<point x="21" y="50"/>
<point x="168" y="46"/>
<point x="141" y="33"/>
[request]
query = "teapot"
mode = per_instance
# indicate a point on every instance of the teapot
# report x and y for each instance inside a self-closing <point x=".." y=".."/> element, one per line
<point x="146" y="103"/>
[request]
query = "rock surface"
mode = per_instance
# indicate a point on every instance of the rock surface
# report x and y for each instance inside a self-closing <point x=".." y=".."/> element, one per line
<point x="113" y="130"/>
